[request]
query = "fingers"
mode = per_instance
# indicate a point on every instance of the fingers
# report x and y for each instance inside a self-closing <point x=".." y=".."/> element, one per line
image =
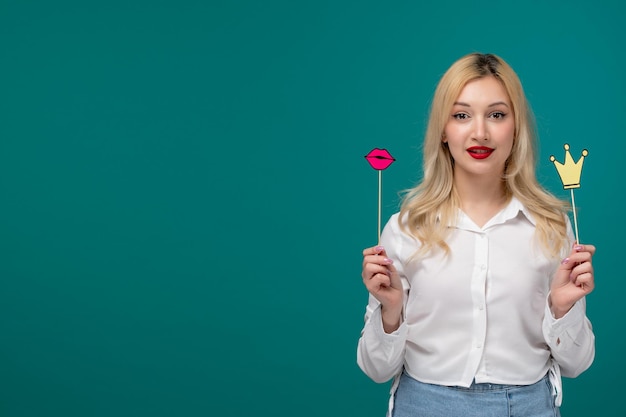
<point x="383" y="281"/>
<point x="377" y="281"/>
<point x="578" y="266"/>
<point x="374" y="250"/>
<point x="378" y="269"/>
<point x="375" y="262"/>
<point x="376" y="255"/>
<point x="584" y="281"/>
<point x="578" y="247"/>
<point x="579" y="254"/>
<point x="582" y="275"/>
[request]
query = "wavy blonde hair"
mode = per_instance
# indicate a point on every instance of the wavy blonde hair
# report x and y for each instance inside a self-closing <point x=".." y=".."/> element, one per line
<point x="433" y="204"/>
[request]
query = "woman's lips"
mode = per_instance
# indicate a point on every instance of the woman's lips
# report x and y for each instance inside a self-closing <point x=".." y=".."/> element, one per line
<point x="479" y="152"/>
<point x="379" y="159"/>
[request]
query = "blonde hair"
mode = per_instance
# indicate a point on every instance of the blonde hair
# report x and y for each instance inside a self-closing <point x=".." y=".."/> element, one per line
<point x="431" y="206"/>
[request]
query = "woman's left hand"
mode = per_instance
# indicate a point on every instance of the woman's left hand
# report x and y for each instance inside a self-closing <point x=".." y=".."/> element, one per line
<point x="573" y="280"/>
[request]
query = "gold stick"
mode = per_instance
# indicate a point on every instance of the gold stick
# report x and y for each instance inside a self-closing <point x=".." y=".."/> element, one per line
<point x="574" y="212"/>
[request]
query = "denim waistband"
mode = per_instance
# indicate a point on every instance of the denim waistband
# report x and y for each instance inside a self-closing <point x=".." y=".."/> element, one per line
<point x="486" y="386"/>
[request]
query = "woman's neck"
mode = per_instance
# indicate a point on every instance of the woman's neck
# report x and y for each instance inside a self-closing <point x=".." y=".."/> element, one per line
<point x="481" y="198"/>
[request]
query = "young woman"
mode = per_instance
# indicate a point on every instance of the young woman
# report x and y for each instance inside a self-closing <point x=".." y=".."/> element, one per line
<point x="477" y="287"/>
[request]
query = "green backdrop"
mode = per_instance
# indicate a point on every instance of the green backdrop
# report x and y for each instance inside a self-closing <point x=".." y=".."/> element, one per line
<point x="184" y="198"/>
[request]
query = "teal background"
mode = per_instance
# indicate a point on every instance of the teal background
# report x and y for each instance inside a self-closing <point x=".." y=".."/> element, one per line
<point x="185" y="198"/>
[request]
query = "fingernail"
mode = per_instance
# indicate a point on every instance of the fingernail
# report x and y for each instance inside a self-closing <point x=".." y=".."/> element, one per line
<point x="564" y="261"/>
<point x="388" y="261"/>
<point x="578" y="248"/>
<point x="379" y="249"/>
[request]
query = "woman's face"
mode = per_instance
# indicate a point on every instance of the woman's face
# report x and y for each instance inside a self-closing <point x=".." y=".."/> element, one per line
<point x="480" y="129"/>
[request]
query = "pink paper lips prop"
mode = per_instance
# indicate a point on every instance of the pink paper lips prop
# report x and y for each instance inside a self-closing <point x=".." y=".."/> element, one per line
<point x="379" y="159"/>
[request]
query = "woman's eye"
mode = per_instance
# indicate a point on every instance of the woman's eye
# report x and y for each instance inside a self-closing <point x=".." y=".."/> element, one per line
<point x="498" y="115"/>
<point x="460" y="116"/>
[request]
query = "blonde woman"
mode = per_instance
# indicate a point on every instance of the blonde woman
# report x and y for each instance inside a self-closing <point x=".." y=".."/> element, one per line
<point x="477" y="287"/>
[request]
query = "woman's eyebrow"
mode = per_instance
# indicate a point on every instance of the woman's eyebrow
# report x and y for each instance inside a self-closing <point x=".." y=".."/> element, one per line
<point x="497" y="103"/>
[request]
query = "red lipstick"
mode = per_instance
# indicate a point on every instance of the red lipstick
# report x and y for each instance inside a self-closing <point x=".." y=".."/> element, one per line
<point x="379" y="159"/>
<point x="479" y="152"/>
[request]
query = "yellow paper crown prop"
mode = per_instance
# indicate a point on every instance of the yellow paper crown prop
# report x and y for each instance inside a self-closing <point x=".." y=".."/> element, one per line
<point x="570" y="171"/>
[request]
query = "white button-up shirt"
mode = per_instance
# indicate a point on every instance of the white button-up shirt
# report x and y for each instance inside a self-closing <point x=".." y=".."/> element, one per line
<point x="479" y="314"/>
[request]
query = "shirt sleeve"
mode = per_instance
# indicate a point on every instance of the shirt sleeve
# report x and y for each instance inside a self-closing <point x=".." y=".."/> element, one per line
<point x="571" y="339"/>
<point x="380" y="355"/>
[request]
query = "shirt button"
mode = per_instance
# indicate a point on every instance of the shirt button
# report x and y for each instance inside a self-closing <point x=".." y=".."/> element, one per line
<point x="478" y="345"/>
<point x="481" y="307"/>
<point x="483" y="267"/>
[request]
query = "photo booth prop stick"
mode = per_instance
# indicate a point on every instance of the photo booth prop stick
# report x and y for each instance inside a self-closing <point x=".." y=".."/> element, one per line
<point x="379" y="159"/>
<point x="570" y="171"/>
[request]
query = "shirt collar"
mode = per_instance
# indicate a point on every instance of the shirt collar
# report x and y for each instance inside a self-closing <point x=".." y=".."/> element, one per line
<point x="513" y="208"/>
<point x="511" y="211"/>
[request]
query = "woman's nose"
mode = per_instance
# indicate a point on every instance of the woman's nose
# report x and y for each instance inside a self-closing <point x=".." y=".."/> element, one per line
<point x="480" y="130"/>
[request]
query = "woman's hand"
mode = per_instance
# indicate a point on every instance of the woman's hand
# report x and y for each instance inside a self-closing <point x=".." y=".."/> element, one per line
<point x="573" y="280"/>
<point x="382" y="281"/>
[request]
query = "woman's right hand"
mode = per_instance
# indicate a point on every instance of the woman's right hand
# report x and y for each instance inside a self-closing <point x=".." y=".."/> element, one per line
<point x="382" y="281"/>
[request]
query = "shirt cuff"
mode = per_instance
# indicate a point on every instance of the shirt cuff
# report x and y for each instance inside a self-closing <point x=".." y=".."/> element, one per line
<point x="377" y="322"/>
<point x="561" y="333"/>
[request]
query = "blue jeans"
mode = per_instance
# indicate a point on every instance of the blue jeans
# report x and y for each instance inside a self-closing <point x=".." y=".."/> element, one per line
<point x="418" y="399"/>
